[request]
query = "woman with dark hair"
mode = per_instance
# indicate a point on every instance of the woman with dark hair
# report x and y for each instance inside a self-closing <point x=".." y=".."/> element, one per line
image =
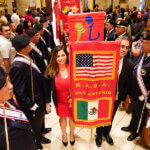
<point x="27" y="25"/>
<point x="58" y="73"/>
<point x="19" y="29"/>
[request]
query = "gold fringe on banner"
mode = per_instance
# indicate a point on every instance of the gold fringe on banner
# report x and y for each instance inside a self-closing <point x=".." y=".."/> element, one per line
<point x="93" y="126"/>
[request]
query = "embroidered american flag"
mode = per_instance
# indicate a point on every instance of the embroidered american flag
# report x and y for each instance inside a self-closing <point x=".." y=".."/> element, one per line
<point x="94" y="65"/>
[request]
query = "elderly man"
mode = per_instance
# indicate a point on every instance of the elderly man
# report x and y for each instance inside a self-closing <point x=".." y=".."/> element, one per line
<point x="139" y="90"/>
<point x="16" y="132"/>
<point x="121" y="29"/>
<point x="110" y="27"/>
<point x="36" y="53"/>
<point x="29" y="87"/>
<point x="124" y="73"/>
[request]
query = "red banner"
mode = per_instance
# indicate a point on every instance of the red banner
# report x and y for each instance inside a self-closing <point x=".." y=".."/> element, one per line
<point x="57" y="18"/>
<point x="68" y="6"/>
<point x="93" y="77"/>
<point x="87" y="27"/>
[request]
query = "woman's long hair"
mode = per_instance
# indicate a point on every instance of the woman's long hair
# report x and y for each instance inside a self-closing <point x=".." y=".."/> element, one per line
<point x="52" y="68"/>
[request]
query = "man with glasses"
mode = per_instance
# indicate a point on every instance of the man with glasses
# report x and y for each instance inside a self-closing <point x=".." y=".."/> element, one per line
<point x="139" y="90"/>
<point x="124" y="73"/>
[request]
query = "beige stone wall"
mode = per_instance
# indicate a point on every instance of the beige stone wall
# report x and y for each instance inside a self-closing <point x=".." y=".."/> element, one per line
<point x="106" y="3"/>
<point x="22" y="5"/>
<point x="101" y="3"/>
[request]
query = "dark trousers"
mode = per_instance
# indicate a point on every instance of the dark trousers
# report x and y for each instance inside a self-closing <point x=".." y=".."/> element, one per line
<point x="136" y="108"/>
<point x="106" y="129"/>
<point x="36" y="123"/>
<point x="43" y="124"/>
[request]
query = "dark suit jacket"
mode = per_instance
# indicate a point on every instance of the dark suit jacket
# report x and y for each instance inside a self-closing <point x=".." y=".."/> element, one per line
<point x="19" y="133"/>
<point x="111" y="36"/>
<point x="38" y="60"/>
<point x="43" y="48"/>
<point x="20" y="76"/>
<point x="49" y="39"/>
<point x="135" y="91"/>
<point x="50" y="86"/>
<point x="124" y="79"/>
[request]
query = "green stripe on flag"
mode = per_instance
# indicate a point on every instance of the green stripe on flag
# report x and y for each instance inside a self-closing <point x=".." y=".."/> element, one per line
<point x="82" y="110"/>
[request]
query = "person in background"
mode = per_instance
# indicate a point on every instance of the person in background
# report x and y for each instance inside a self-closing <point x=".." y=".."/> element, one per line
<point x="12" y="30"/>
<point x="5" y="46"/>
<point x="15" y="18"/>
<point x="110" y="27"/>
<point x="58" y="73"/>
<point x="137" y="27"/>
<point x="20" y="135"/>
<point x="26" y="25"/>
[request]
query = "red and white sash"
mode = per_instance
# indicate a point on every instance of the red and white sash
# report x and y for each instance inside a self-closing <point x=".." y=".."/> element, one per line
<point x="141" y="82"/>
<point x="35" y="49"/>
<point x="26" y="61"/>
<point x="12" y="113"/>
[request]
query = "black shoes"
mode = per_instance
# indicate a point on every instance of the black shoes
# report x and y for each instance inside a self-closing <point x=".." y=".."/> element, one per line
<point x="45" y="140"/>
<point x="46" y="130"/>
<point x="109" y="140"/>
<point x="72" y="142"/>
<point x="65" y="143"/>
<point x="132" y="136"/>
<point x="39" y="145"/>
<point x="126" y="129"/>
<point x="99" y="140"/>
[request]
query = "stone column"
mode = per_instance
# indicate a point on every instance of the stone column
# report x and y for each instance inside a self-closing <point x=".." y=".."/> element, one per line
<point x="38" y="3"/>
<point x="49" y="5"/>
<point x="43" y="3"/>
<point x="91" y="4"/>
<point x="22" y="5"/>
<point x="9" y="6"/>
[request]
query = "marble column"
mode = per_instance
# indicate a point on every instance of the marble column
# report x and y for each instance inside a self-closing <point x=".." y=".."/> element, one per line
<point x="22" y="5"/>
<point x="38" y="3"/>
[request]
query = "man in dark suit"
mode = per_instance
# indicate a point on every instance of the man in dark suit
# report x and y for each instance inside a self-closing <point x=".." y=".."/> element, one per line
<point x="35" y="53"/>
<point x="16" y="132"/>
<point x="124" y="73"/>
<point x="29" y="87"/>
<point x="139" y="90"/>
<point x="41" y="44"/>
<point x="110" y="27"/>
<point x="47" y="35"/>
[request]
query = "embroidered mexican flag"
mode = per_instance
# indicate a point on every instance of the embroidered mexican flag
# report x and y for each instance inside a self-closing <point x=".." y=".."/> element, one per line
<point x="90" y="110"/>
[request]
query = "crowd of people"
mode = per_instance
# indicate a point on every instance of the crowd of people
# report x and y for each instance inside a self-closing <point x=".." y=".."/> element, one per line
<point x="38" y="69"/>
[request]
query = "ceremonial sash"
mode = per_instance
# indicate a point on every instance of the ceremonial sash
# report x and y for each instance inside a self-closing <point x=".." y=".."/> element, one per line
<point x="12" y="113"/>
<point x="36" y="49"/>
<point x="26" y="61"/>
<point x="43" y="40"/>
<point x="141" y="82"/>
<point x="47" y="31"/>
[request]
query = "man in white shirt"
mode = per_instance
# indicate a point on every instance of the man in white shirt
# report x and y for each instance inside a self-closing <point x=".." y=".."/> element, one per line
<point x="15" y="18"/>
<point x="5" y="47"/>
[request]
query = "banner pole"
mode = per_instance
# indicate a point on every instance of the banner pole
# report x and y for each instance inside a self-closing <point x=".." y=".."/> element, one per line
<point x="91" y="135"/>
